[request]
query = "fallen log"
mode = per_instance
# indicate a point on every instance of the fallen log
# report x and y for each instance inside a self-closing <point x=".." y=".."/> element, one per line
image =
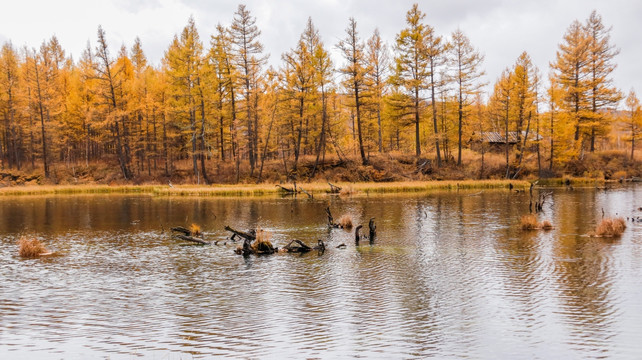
<point x="296" y="246"/>
<point x="256" y="248"/>
<point x="294" y="191"/>
<point x="192" y="239"/>
<point x="242" y="234"/>
<point x="307" y="193"/>
<point x="320" y="246"/>
<point x="287" y="190"/>
<point x="183" y="230"/>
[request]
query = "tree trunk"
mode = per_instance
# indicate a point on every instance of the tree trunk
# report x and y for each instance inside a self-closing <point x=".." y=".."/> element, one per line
<point x="364" y="160"/>
<point x="417" y="134"/>
<point x="434" y="111"/>
<point x="321" y="145"/>
<point x="42" y="121"/>
<point x="202" y="138"/>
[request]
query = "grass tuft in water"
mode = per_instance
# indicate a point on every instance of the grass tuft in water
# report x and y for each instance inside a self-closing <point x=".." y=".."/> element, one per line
<point x="31" y="248"/>
<point x="346" y="222"/>
<point x="262" y="244"/>
<point x="529" y="222"/>
<point x="610" y="227"/>
<point x="546" y="225"/>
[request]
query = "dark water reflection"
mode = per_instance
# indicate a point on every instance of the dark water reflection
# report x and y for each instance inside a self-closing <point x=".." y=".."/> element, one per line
<point x="450" y="276"/>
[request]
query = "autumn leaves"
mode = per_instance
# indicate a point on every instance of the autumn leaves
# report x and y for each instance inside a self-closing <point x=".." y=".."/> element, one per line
<point x="213" y="105"/>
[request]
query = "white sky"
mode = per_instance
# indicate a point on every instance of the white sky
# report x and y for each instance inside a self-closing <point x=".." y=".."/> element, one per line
<point x="501" y="29"/>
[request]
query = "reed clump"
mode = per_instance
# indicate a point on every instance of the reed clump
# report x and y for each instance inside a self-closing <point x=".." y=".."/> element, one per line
<point x="529" y="222"/>
<point x="263" y="243"/>
<point x="31" y="248"/>
<point x="610" y="227"/>
<point x="347" y="191"/>
<point x="345" y="222"/>
<point x="546" y="225"/>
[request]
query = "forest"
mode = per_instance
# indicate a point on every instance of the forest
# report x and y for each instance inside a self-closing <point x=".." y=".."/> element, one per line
<point x="213" y="111"/>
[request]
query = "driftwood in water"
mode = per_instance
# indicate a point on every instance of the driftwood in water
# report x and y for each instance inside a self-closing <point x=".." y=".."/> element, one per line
<point x="330" y="218"/>
<point x="357" y="236"/>
<point x="183" y="230"/>
<point x="244" y="235"/>
<point x="297" y="246"/>
<point x="257" y="248"/>
<point x="371" y="235"/>
<point x="307" y="193"/>
<point x="255" y="242"/>
<point x="373" y="230"/>
<point x="287" y="190"/>
<point x="188" y="235"/>
<point x="539" y="205"/>
<point x="192" y="239"/>
<point x="294" y="191"/>
<point x="340" y="224"/>
<point x="334" y="189"/>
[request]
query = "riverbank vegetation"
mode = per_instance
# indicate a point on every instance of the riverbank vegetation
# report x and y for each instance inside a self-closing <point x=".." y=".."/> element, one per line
<point x="314" y="188"/>
<point x="213" y="112"/>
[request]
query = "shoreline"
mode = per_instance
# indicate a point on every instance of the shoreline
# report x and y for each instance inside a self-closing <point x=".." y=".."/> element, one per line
<point x="256" y="190"/>
<point x="313" y="188"/>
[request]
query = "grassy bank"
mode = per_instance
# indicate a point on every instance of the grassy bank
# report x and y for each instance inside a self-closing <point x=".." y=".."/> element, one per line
<point x="576" y="181"/>
<point x="261" y="189"/>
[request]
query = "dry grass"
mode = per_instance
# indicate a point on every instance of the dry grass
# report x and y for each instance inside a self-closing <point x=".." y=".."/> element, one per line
<point x="345" y="221"/>
<point x="262" y="244"/>
<point x="260" y="189"/>
<point x="195" y="229"/>
<point x="546" y="225"/>
<point x="610" y="227"/>
<point x="31" y="248"/>
<point x="529" y="222"/>
<point x="347" y="191"/>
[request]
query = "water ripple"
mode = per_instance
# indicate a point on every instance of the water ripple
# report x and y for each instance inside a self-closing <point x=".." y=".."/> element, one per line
<point x="450" y="276"/>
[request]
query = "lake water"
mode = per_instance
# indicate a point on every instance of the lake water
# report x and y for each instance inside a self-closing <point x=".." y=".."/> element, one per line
<point x="451" y="275"/>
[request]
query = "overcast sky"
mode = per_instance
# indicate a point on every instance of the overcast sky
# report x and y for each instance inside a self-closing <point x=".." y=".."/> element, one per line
<point x="500" y="29"/>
